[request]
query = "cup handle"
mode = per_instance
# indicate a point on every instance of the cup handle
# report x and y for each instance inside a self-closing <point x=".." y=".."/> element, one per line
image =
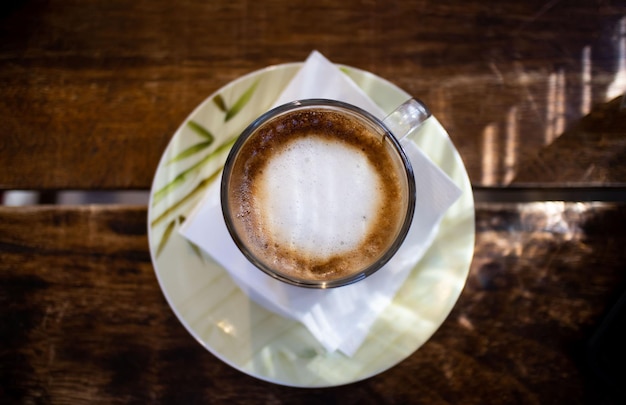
<point x="409" y="116"/>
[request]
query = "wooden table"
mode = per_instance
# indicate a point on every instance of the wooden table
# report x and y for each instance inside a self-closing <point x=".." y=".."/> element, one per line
<point x="91" y="92"/>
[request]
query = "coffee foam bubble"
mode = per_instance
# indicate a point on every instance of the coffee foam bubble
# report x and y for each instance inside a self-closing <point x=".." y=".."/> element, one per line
<point x="317" y="197"/>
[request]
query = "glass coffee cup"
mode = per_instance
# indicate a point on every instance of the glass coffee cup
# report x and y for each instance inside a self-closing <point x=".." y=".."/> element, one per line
<point x="319" y="193"/>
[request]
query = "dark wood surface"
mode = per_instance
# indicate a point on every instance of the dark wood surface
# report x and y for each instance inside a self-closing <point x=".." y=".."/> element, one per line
<point x="93" y="90"/>
<point x="591" y="152"/>
<point x="82" y="319"/>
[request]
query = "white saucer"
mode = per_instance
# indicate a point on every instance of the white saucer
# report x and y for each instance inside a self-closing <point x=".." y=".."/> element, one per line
<point x="247" y="336"/>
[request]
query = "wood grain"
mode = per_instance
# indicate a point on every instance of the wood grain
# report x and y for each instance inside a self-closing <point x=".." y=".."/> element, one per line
<point x="91" y="92"/>
<point x="82" y="319"/>
<point x="595" y="148"/>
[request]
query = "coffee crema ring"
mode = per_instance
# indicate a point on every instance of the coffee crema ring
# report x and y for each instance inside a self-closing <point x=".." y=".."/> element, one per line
<point x="317" y="194"/>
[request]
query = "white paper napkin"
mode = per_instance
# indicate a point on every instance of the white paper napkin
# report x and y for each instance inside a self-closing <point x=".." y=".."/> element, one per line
<point x="339" y="318"/>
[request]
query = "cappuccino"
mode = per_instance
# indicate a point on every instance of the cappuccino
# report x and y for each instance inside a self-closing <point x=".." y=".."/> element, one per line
<point x="317" y="194"/>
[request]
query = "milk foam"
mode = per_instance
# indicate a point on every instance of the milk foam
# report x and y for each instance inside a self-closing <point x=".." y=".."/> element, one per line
<point x="318" y="196"/>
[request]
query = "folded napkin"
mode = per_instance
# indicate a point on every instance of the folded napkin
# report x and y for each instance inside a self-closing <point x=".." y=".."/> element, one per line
<point x="339" y="318"/>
